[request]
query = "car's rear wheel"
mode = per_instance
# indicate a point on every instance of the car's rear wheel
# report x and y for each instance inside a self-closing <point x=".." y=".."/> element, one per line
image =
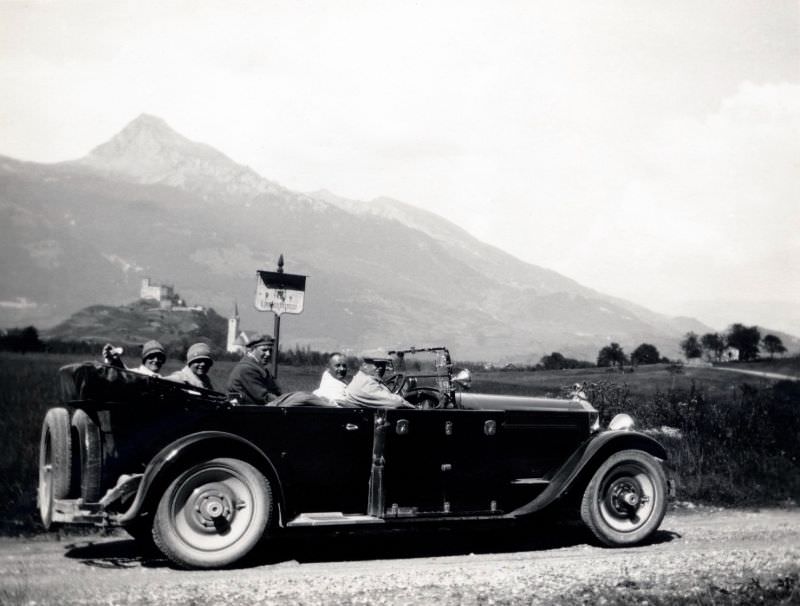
<point x="213" y="514"/>
<point x="626" y="498"/>
<point x="55" y="462"/>
<point x="90" y="452"/>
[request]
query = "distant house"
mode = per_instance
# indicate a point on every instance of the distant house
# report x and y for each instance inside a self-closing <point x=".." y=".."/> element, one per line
<point x="730" y="354"/>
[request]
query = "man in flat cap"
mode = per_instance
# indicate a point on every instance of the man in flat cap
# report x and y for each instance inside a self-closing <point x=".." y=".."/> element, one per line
<point x="250" y="377"/>
<point x="366" y="388"/>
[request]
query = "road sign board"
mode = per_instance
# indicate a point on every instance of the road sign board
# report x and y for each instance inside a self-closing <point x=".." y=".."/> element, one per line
<point x="280" y="293"/>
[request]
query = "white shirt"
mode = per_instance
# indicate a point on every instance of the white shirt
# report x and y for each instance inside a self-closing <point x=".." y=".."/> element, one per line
<point x="330" y="387"/>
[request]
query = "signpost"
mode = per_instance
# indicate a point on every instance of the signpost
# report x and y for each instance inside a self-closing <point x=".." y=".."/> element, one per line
<point x="279" y="293"/>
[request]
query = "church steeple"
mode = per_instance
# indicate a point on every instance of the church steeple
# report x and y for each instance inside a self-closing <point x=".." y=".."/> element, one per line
<point x="233" y="330"/>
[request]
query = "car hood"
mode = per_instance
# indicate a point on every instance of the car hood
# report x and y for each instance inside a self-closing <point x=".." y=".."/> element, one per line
<point x="482" y="401"/>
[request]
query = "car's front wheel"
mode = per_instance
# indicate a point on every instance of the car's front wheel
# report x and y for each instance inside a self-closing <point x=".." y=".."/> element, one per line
<point x="626" y="498"/>
<point x="213" y="514"/>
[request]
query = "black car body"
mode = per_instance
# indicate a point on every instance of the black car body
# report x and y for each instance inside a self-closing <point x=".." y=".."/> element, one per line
<point x="206" y="478"/>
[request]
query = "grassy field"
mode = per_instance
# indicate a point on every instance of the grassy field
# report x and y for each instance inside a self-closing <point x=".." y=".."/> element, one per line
<point x="732" y="438"/>
<point x="643" y="382"/>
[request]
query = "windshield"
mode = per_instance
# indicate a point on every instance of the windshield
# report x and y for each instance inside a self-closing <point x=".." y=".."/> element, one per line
<point x="425" y="367"/>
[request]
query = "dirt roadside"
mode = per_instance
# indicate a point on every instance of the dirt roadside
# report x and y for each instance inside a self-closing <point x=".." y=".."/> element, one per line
<point x="758" y="373"/>
<point x="440" y="566"/>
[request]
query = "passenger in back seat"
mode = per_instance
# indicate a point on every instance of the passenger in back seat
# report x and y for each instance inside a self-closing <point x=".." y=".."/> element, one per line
<point x="198" y="363"/>
<point x="153" y="358"/>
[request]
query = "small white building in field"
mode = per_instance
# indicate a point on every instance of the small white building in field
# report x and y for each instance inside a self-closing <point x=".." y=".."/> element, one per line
<point x="730" y="354"/>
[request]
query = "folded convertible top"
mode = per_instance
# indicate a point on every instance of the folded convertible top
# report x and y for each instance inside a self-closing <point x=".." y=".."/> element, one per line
<point x="94" y="381"/>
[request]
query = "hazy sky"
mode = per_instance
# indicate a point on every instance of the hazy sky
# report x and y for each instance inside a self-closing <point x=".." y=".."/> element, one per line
<point x="649" y="149"/>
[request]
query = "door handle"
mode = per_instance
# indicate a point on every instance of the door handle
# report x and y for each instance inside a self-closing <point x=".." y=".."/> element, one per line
<point x="351" y="427"/>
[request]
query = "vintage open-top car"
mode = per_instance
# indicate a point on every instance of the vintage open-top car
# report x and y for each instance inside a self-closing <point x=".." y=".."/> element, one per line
<point x="206" y="479"/>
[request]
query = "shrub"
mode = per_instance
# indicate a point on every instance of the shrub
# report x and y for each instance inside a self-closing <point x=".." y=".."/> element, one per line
<point x="742" y="450"/>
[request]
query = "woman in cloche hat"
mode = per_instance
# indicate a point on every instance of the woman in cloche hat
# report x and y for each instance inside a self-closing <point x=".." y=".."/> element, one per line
<point x="198" y="363"/>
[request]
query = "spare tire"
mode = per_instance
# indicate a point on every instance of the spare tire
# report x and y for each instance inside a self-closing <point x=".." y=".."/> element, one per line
<point x="55" y="462"/>
<point x="90" y="450"/>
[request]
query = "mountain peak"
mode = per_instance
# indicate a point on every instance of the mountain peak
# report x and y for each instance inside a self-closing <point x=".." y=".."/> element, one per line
<point x="147" y="125"/>
<point x="148" y="120"/>
<point x="147" y="150"/>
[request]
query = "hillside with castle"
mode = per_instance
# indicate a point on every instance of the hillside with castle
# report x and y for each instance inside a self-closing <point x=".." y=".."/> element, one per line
<point x="168" y="299"/>
<point x="159" y="313"/>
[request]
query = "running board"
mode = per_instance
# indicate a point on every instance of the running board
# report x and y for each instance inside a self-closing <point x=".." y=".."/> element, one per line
<point x="333" y="518"/>
<point x="531" y="481"/>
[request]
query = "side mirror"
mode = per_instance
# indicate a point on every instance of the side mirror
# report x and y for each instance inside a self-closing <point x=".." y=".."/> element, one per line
<point x="463" y="378"/>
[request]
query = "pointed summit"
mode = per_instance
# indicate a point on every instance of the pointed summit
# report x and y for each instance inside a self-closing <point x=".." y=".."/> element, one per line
<point x="149" y="151"/>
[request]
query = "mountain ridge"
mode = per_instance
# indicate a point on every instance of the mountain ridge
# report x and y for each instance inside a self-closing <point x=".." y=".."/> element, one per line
<point x="380" y="272"/>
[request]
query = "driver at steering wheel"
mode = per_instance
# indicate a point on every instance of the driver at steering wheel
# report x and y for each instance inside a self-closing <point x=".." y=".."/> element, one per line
<point x="366" y="388"/>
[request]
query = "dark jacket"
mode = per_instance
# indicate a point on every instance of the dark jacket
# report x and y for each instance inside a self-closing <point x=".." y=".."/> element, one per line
<point x="252" y="381"/>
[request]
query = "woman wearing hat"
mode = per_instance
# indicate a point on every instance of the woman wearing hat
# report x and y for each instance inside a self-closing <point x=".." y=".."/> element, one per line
<point x="198" y="363"/>
<point x="153" y="358"/>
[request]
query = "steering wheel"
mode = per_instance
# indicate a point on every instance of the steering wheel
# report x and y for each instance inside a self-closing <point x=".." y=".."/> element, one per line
<point x="394" y="383"/>
<point x="425" y="398"/>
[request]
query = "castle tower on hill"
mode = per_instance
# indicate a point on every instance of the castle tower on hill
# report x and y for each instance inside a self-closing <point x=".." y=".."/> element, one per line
<point x="155" y="291"/>
<point x="233" y="331"/>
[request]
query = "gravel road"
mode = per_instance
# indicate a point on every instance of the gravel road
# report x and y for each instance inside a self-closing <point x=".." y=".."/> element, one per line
<point x="693" y="549"/>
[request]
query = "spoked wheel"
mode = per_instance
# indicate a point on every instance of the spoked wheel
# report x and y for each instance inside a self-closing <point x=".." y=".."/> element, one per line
<point x="626" y="499"/>
<point x="55" y="462"/>
<point x="213" y="514"/>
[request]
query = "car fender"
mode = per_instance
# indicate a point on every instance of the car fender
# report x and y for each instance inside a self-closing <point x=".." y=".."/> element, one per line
<point x="586" y="459"/>
<point x="173" y="456"/>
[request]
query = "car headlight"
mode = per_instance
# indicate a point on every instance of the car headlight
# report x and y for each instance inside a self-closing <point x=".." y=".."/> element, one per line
<point x="621" y="422"/>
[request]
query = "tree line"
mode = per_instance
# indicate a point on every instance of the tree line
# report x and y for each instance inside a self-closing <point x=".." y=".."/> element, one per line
<point x="747" y="340"/>
<point x="611" y="355"/>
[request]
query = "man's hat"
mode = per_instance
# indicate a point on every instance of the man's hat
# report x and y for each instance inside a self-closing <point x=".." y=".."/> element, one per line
<point x="254" y="340"/>
<point x="375" y="355"/>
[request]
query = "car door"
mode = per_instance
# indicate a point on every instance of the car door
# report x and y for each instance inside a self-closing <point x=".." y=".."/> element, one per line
<point x="535" y="443"/>
<point x="326" y="458"/>
<point x="441" y="462"/>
